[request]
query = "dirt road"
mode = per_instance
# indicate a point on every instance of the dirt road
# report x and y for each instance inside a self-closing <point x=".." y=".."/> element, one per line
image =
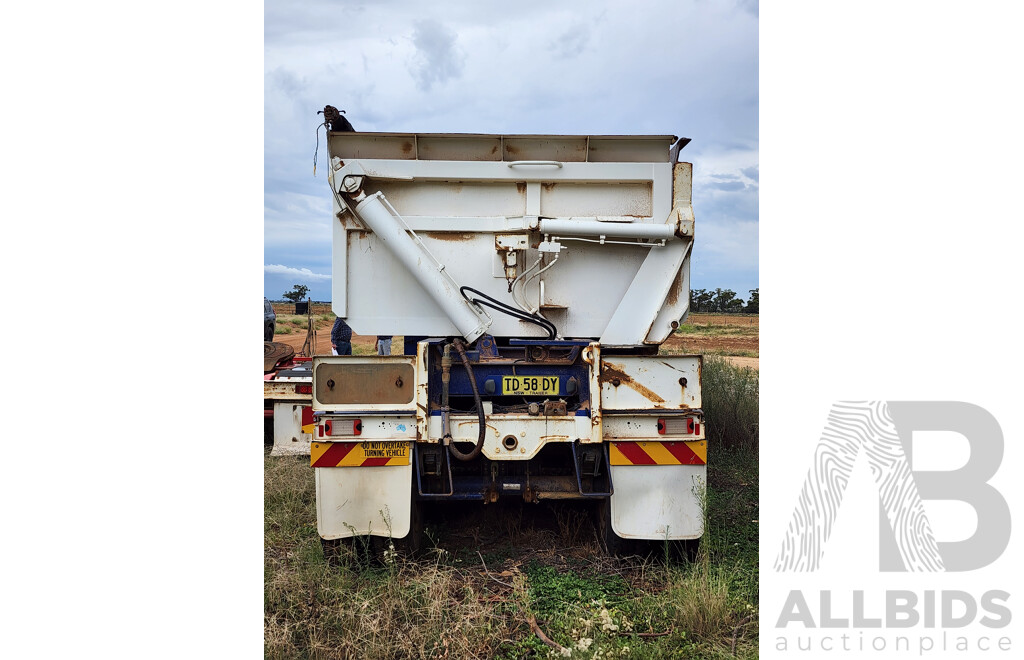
<point x="748" y="362"/>
<point x="323" y="341"/>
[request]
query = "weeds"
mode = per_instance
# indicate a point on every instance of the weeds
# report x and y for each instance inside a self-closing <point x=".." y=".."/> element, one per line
<point x="730" y="404"/>
<point x="446" y="605"/>
<point x="715" y="330"/>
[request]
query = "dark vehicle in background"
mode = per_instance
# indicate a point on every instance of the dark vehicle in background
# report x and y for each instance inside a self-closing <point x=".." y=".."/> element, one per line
<point x="269" y="320"/>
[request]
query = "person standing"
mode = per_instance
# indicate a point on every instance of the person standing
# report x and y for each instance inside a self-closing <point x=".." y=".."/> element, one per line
<point x="341" y="338"/>
<point x="384" y="344"/>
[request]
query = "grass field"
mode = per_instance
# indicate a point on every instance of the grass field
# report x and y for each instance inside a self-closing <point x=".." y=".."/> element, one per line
<point x="496" y="576"/>
<point x="716" y="334"/>
<point x="289" y="323"/>
<point x="705" y="334"/>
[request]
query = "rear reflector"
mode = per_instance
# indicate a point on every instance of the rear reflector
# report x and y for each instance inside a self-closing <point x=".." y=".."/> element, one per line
<point x="303" y="389"/>
<point x="658" y="452"/>
<point x="342" y="427"/>
<point x="678" y="426"/>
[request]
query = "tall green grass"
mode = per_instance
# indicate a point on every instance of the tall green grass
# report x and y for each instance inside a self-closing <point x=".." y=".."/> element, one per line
<point x="730" y="404"/>
<point x="446" y="605"/>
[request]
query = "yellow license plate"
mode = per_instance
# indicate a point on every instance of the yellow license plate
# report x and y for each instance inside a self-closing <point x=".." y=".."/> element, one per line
<point x="529" y="385"/>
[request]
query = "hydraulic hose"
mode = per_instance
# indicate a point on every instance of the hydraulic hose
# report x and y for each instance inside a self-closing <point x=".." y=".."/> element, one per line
<point x="479" y="409"/>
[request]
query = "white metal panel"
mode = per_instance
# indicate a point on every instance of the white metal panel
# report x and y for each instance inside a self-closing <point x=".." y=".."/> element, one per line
<point x="454" y="198"/>
<point x="669" y="382"/>
<point x="353" y="501"/>
<point x="633" y="200"/>
<point x="446" y="170"/>
<point x="643" y="428"/>
<point x="477" y="147"/>
<point x="457" y="205"/>
<point x="339" y="267"/>
<point x="531" y="433"/>
<point x="675" y="308"/>
<point x="377" y="427"/>
<point x="645" y="298"/>
<point x="420" y="262"/>
<point x="288" y="436"/>
<point x="658" y="501"/>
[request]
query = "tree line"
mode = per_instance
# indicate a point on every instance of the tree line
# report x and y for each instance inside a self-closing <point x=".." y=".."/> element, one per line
<point x="722" y="301"/>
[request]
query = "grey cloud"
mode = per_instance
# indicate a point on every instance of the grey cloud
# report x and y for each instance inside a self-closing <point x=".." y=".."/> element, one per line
<point x="712" y="202"/>
<point x="751" y="172"/>
<point x="284" y="81"/>
<point x="727" y="186"/>
<point x="572" y="42"/>
<point x="437" y="58"/>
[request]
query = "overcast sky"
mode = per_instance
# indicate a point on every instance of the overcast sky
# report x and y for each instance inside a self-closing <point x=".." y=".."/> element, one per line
<point x="685" y="68"/>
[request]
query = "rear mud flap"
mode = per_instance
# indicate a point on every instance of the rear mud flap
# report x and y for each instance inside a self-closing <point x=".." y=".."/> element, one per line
<point x="658" y="502"/>
<point x="357" y="501"/>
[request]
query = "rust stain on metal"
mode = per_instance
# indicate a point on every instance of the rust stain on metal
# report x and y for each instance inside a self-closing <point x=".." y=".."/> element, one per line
<point x="548" y="186"/>
<point x="611" y="372"/>
<point x="514" y="151"/>
<point x="521" y="187"/>
<point x="406" y="147"/>
<point x="473" y="422"/>
<point x="673" y="291"/>
<point x="554" y="408"/>
<point x="448" y="236"/>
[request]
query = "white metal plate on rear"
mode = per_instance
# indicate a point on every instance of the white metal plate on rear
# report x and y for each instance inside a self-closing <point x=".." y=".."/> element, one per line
<point x="289" y="438"/>
<point x="658" y="501"/>
<point x="350" y="501"/>
<point x="530" y="433"/>
<point x="663" y="382"/>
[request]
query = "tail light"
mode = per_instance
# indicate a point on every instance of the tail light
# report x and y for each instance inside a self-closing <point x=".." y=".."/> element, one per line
<point x="678" y="426"/>
<point x="303" y="389"/>
<point x="341" y="427"/>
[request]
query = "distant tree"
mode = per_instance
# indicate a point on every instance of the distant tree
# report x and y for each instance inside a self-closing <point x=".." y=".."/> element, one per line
<point x="297" y="294"/>
<point x="751" y="307"/>
<point x="724" y="300"/>
<point x="700" y="300"/>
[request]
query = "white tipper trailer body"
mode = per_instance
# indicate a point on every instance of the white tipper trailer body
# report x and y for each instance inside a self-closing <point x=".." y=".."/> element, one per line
<point x="534" y="278"/>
